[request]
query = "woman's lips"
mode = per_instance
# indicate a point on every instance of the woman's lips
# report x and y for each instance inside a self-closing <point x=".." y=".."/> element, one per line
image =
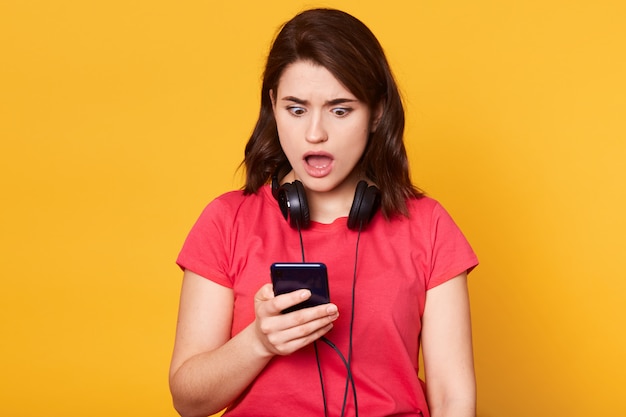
<point x="318" y="165"/>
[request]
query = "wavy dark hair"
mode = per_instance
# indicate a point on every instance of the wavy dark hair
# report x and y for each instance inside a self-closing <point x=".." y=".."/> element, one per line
<point x="347" y="48"/>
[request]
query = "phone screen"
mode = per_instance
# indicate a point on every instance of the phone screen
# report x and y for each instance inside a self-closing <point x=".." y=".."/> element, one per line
<point x="288" y="277"/>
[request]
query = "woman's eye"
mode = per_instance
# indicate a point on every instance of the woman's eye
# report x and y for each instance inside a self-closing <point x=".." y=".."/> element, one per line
<point x="296" y="111"/>
<point x="340" y="111"/>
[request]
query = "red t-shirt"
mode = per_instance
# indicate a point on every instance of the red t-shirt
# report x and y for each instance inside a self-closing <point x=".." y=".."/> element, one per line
<point x="238" y="237"/>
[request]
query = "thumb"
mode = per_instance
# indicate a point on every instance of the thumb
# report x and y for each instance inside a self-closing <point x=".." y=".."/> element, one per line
<point x="266" y="292"/>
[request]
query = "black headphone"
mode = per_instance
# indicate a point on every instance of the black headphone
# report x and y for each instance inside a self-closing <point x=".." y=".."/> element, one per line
<point x="292" y="201"/>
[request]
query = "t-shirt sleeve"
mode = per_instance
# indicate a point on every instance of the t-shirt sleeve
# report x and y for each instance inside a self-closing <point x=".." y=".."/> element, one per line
<point x="205" y="250"/>
<point x="451" y="252"/>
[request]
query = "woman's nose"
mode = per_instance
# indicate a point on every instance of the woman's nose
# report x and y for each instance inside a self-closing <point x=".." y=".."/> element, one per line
<point x="316" y="132"/>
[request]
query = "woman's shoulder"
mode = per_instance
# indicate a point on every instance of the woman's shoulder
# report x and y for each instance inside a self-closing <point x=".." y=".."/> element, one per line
<point x="234" y="208"/>
<point x="239" y="197"/>
<point x="422" y="206"/>
<point x="424" y="211"/>
<point x="232" y="202"/>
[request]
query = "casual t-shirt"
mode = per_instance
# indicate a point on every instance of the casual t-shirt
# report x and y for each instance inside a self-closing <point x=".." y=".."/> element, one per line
<point x="238" y="237"/>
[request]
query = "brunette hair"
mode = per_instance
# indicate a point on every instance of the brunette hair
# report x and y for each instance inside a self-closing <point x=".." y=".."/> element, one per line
<point x="344" y="46"/>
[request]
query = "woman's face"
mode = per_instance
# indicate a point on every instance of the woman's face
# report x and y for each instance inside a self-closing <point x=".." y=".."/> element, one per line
<point x="323" y="128"/>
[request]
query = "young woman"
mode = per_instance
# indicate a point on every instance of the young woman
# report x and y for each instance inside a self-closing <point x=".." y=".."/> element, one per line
<point x="329" y="139"/>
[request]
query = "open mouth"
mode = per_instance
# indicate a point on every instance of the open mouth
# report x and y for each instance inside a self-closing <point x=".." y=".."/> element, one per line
<point x="318" y="165"/>
<point x="318" y="161"/>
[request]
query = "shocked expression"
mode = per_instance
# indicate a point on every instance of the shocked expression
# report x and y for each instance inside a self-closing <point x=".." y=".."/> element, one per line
<point x="323" y="128"/>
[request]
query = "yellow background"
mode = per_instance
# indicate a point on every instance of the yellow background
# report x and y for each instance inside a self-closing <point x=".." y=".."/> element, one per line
<point x="120" y="120"/>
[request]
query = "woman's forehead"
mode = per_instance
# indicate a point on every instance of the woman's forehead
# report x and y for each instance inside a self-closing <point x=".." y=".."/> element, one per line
<point x="305" y="78"/>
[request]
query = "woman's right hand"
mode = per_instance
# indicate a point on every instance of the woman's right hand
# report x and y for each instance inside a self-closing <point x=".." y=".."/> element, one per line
<point x="283" y="334"/>
<point x="209" y="368"/>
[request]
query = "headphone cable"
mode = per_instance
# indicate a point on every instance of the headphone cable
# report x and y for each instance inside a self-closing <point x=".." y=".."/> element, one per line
<point x="317" y="355"/>
<point x="301" y="242"/>
<point x="347" y="363"/>
<point x="319" y="370"/>
<point x="349" y="379"/>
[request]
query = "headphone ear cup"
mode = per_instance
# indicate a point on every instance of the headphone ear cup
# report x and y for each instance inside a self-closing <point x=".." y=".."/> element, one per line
<point x="293" y="204"/>
<point x="275" y="186"/>
<point x="364" y="206"/>
<point x="303" y="212"/>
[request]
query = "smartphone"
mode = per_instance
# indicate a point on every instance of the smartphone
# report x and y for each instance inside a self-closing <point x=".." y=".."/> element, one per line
<point x="288" y="277"/>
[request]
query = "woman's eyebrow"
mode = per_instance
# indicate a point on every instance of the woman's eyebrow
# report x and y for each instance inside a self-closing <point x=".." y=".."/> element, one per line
<point x="332" y="102"/>
<point x="341" y="101"/>
<point x="295" y="100"/>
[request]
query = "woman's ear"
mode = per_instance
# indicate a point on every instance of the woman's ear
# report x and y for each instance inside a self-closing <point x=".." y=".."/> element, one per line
<point x="271" y="93"/>
<point x="377" y="114"/>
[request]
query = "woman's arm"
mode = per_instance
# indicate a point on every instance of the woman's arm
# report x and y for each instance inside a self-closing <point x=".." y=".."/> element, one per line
<point x="209" y="369"/>
<point x="447" y="350"/>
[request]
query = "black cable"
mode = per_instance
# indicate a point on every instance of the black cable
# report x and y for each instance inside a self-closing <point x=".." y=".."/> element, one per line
<point x="349" y="362"/>
<point x="317" y="356"/>
<point x="301" y="242"/>
<point x="319" y="370"/>
<point x="350" y="377"/>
